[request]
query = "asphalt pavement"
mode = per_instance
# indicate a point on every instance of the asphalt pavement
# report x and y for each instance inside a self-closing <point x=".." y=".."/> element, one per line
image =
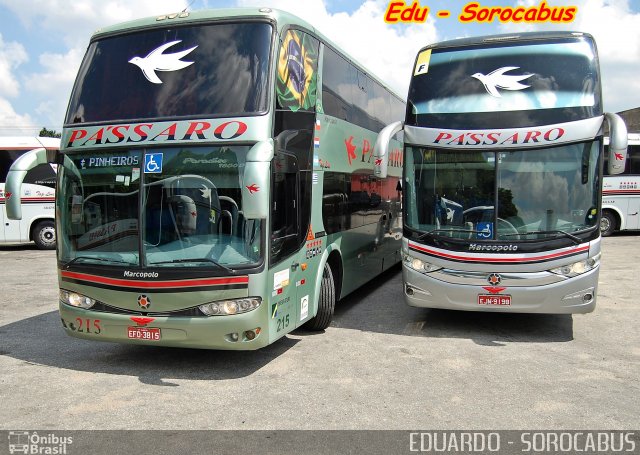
<point x="380" y="365"/>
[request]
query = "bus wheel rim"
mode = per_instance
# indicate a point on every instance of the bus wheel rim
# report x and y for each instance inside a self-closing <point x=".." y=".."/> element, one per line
<point x="48" y="235"/>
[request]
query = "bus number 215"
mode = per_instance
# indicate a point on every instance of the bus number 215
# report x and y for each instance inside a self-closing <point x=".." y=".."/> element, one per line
<point x="283" y="322"/>
<point x="88" y="326"/>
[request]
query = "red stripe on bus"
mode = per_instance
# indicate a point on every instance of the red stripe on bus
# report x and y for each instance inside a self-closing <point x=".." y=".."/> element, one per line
<point x="498" y="260"/>
<point x="157" y="284"/>
<point x="33" y="199"/>
<point x="609" y="192"/>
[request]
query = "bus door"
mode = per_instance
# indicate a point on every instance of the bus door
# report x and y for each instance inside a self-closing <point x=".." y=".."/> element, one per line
<point x="3" y="213"/>
<point x="294" y="127"/>
<point x="10" y="231"/>
<point x="286" y="257"/>
<point x="633" y="186"/>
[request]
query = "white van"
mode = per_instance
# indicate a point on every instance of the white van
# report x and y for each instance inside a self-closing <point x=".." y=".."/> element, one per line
<point x="38" y="194"/>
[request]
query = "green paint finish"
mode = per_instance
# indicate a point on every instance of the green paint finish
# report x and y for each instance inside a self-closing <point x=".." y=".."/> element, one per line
<point x="315" y="145"/>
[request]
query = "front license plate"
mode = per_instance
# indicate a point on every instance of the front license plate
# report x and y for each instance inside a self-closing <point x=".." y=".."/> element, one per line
<point x="495" y="300"/>
<point x="143" y="333"/>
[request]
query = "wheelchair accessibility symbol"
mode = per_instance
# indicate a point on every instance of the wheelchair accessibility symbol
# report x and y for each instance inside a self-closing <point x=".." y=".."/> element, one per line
<point x="484" y="230"/>
<point x="153" y="163"/>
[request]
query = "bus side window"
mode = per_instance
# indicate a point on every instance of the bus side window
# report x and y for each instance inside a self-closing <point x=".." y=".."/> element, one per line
<point x="633" y="157"/>
<point x="284" y="207"/>
<point x="42" y="174"/>
<point x="7" y="157"/>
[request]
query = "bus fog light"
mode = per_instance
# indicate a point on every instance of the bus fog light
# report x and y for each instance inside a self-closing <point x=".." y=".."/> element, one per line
<point x="230" y="307"/>
<point x="250" y="335"/>
<point x="585" y="295"/>
<point x="76" y="300"/>
<point x="411" y="290"/>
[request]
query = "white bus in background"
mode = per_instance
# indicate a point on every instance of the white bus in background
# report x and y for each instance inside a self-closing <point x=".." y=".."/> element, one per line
<point x="38" y="192"/>
<point x="621" y="193"/>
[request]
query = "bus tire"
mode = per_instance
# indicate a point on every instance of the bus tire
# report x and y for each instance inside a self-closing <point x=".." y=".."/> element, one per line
<point x="44" y="235"/>
<point x="326" y="302"/>
<point x="608" y="223"/>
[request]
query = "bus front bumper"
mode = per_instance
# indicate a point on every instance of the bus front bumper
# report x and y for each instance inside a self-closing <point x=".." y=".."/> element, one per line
<point x="246" y="331"/>
<point x="574" y="295"/>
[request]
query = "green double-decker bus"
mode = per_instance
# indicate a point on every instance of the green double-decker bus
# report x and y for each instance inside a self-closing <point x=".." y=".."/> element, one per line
<point x="216" y="185"/>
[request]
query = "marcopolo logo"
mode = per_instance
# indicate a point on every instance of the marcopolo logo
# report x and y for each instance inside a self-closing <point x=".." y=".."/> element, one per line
<point x="33" y="443"/>
<point x="492" y="248"/>
<point x="130" y="274"/>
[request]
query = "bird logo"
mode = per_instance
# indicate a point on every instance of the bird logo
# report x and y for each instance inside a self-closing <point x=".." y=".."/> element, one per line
<point x="497" y="79"/>
<point x="157" y="61"/>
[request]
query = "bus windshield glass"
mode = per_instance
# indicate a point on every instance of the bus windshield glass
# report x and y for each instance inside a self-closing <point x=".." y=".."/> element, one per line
<point x="526" y="84"/>
<point x="185" y="211"/>
<point x="539" y="193"/>
<point x="195" y="71"/>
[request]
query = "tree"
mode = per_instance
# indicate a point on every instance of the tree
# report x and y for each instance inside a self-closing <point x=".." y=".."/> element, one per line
<point x="44" y="132"/>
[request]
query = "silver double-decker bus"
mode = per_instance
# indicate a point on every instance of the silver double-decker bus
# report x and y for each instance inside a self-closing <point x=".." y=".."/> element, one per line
<point x="503" y="165"/>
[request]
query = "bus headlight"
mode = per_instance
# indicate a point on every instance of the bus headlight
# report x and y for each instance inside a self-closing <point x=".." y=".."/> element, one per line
<point x="228" y="307"/>
<point x="76" y="300"/>
<point x="419" y="265"/>
<point x="577" y="268"/>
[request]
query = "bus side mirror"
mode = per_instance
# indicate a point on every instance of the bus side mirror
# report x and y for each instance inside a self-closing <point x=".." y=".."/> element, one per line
<point x="617" y="143"/>
<point x="256" y="180"/>
<point x="16" y="175"/>
<point x="381" y="148"/>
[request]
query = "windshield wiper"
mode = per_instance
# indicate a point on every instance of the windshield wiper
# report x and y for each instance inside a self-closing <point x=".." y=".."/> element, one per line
<point x="181" y="261"/>
<point x="575" y="239"/>
<point x="91" y="258"/>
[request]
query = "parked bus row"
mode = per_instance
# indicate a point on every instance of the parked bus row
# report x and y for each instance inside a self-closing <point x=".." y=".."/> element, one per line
<point x="228" y="191"/>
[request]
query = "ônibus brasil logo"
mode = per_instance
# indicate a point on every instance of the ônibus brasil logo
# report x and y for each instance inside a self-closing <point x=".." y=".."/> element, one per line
<point x="31" y="442"/>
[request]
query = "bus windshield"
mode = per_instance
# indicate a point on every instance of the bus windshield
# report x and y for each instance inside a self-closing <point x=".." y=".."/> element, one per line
<point x="193" y="71"/>
<point x="529" y="83"/>
<point x="539" y="193"/>
<point x="186" y="210"/>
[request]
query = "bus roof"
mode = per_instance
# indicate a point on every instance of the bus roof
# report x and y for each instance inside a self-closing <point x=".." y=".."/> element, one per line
<point x="279" y="17"/>
<point x="29" y="142"/>
<point x="525" y="36"/>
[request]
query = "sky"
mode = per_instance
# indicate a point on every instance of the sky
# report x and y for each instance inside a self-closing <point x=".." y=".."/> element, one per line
<point x="42" y="43"/>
